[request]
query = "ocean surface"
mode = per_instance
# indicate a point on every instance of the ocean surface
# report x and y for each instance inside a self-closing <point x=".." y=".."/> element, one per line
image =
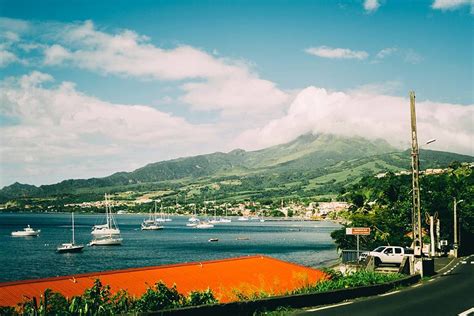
<point x="306" y="243"/>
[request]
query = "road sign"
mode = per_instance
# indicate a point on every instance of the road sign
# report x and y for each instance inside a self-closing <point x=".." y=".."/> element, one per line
<point x="358" y="231"/>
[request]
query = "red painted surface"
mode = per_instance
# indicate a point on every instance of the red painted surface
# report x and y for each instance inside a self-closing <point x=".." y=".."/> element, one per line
<point x="224" y="277"/>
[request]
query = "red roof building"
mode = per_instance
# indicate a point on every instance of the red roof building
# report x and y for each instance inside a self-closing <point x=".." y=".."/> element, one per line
<point x="226" y="278"/>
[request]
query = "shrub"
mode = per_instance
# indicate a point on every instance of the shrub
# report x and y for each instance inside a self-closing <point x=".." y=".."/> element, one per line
<point x="196" y="298"/>
<point x="160" y="297"/>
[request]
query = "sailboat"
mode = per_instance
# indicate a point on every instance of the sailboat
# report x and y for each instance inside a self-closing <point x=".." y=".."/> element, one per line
<point x="150" y="223"/>
<point x="193" y="218"/>
<point x="70" y="247"/>
<point x="215" y="220"/>
<point x="110" y="240"/>
<point x="109" y="233"/>
<point x="225" y="219"/>
<point x="162" y="217"/>
<point x="204" y="224"/>
<point x="110" y="227"/>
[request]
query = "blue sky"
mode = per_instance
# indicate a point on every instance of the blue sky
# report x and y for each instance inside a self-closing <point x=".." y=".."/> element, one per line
<point x="229" y="71"/>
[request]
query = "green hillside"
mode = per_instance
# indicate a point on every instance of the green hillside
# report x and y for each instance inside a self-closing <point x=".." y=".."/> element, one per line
<point x="310" y="165"/>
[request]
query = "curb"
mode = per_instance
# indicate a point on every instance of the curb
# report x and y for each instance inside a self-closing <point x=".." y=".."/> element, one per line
<point x="292" y="301"/>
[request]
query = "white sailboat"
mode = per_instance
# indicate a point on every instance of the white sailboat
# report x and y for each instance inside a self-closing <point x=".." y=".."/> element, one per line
<point x="70" y="247"/>
<point x="150" y="223"/>
<point x="109" y="233"/>
<point x="214" y="220"/>
<point x="109" y="240"/>
<point x="225" y="219"/>
<point x="204" y="224"/>
<point x="193" y="218"/>
<point x="162" y="217"/>
<point x="26" y="232"/>
<point x="110" y="227"/>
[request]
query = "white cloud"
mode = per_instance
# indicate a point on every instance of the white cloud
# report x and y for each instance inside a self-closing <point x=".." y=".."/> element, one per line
<point x="58" y="126"/>
<point x="55" y="54"/>
<point x="412" y="57"/>
<point x="235" y="94"/>
<point x="371" y="5"/>
<point x="7" y="57"/>
<point x="369" y="115"/>
<point x="385" y="52"/>
<point x="451" y="4"/>
<point x="14" y="25"/>
<point x="213" y="83"/>
<point x="407" y="55"/>
<point x="337" y="53"/>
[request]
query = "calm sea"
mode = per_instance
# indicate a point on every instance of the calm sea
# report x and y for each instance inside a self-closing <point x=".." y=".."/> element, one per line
<point x="306" y="243"/>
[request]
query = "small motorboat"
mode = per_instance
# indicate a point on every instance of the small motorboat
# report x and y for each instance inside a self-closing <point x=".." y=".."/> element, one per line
<point x="213" y="239"/>
<point x="26" y="232"/>
<point x="193" y="224"/>
<point x="242" y="238"/>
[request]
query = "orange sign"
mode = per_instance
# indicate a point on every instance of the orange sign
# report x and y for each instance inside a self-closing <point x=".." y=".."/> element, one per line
<point x="358" y="231"/>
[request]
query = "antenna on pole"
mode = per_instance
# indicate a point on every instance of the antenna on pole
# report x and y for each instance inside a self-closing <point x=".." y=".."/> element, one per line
<point x="415" y="164"/>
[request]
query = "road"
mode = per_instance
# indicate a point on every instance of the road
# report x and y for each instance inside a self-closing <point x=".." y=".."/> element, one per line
<point x="450" y="293"/>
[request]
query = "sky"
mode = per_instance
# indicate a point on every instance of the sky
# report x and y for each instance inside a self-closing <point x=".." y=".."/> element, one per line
<point x="89" y="88"/>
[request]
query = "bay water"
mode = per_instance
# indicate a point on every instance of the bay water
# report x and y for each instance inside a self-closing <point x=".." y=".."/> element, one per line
<point x="303" y="242"/>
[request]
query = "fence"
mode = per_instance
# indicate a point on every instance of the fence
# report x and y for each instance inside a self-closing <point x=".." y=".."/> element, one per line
<point x="351" y="256"/>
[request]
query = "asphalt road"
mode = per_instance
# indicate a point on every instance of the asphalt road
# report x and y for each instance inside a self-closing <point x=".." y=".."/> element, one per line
<point x="450" y="293"/>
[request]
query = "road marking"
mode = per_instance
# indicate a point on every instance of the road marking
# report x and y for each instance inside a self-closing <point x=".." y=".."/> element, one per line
<point x="466" y="313"/>
<point x="389" y="293"/>
<point x="416" y="285"/>
<point x="472" y="262"/>
<point x="326" y="307"/>
<point x="463" y="262"/>
<point x="431" y="280"/>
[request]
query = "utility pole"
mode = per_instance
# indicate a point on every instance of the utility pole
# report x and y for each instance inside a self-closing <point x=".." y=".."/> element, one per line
<point x="456" y="242"/>
<point x="415" y="164"/>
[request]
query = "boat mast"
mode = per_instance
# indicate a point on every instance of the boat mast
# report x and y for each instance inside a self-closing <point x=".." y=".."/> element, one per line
<point x="73" y="241"/>
<point x="107" y="211"/>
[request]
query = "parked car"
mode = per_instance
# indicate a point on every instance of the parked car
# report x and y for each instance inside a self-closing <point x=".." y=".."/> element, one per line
<point x="387" y="254"/>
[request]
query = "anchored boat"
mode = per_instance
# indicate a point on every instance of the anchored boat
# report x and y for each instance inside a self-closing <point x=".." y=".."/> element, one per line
<point x="110" y="227"/>
<point x="26" y="232"/>
<point x="70" y="247"/>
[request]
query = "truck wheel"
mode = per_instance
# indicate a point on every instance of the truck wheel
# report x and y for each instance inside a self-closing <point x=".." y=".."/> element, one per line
<point x="377" y="262"/>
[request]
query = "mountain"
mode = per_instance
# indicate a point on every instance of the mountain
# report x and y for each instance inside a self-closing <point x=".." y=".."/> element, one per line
<point x="321" y="161"/>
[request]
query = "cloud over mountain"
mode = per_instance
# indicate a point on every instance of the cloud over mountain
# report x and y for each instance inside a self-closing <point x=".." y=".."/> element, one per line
<point x="369" y="115"/>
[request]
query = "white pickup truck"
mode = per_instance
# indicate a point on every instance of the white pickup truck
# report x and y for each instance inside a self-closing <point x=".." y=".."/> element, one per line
<point x="388" y="254"/>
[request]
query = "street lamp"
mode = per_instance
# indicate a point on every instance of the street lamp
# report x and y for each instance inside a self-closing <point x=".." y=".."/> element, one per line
<point x="456" y="245"/>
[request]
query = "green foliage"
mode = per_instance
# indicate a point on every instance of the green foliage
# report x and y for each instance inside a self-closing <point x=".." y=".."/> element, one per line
<point x="196" y="298"/>
<point x="160" y="297"/>
<point x="7" y="311"/>
<point x="356" y="279"/>
<point x="310" y="166"/>
<point x="387" y="207"/>
<point x="98" y="301"/>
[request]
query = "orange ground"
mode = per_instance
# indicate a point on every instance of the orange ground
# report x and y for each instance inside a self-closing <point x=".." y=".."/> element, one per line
<point x="225" y="277"/>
